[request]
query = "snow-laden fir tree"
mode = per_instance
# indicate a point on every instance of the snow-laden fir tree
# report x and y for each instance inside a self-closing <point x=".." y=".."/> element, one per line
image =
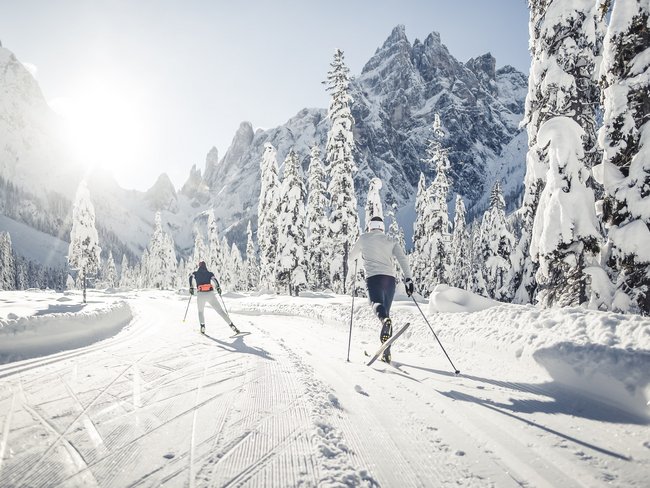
<point x="251" y="266"/>
<point x="225" y="275"/>
<point x="419" y="258"/>
<point x="126" y="278"/>
<point x="162" y="258"/>
<point x="317" y="224"/>
<point x="437" y="218"/>
<point x="237" y="280"/>
<point x="476" y="278"/>
<point x="396" y="233"/>
<point x="625" y="138"/>
<point x="142" y="279"/>
<point x="84" y="250"/>
<point x="291" y="266"/>
<point x="267" y="217"/>
<point x="460" y="252"/>
<point x="200" y="251"/>
<point x="7" y="265"/>
<point x="496" y="246"/>
<point x="110" y="271"/>
<point x="565" y="44"/>
<point x="344" y="218"/>
<point x="214" y="260"/>
<point x="374" y="207"/>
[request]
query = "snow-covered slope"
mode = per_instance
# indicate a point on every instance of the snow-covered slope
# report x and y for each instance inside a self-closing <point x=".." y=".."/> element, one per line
<point x="160" y="404"/>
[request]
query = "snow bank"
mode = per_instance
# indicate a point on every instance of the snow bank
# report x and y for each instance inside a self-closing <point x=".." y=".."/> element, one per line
<point x="42" y="323"/>
<point x="603" y="354"/>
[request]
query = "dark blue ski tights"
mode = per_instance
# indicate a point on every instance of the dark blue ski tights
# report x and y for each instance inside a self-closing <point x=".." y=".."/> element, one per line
<point x="381" y="290"/>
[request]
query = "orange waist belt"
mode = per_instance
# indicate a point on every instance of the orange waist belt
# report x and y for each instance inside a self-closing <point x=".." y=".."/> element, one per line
<point x="205" y="287"/>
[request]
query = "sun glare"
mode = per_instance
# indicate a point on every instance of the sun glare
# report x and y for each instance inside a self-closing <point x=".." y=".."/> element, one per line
<point x="104" y="125"/>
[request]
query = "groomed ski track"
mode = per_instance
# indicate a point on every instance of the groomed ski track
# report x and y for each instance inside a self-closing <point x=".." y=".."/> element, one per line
<point x="160" y="404"/>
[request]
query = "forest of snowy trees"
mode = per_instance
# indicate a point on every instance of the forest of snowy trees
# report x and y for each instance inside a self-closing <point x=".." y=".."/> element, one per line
<point x="580" y="236"/>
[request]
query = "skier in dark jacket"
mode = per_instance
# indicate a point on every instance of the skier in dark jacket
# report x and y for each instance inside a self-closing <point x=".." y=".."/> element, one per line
<point x="376" y="250"/>
<point x="203" y="280"/>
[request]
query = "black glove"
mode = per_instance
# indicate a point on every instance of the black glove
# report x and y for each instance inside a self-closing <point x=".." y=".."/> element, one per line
<point x="410" y="288"/>
<point x="192" y="290"/>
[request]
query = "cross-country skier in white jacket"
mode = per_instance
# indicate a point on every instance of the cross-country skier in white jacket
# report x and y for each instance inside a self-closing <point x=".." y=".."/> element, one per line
<point x="376" y="251"/>
<point x="203" y="280"/>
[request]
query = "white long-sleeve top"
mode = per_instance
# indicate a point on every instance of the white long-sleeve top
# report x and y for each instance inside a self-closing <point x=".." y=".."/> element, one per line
<point x="376" y="250"/>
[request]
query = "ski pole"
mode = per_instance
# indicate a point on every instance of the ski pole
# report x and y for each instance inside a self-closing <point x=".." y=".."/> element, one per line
<point x="354" y="282"/>
<point x="456" y="371"/>
<point x="224" y="306"/>
<point x="188" y="307"/>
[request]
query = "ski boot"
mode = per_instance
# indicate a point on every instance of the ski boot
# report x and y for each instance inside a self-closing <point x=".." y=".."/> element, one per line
<point x="235" y="329"/>
<point x="202" y="328"/>
<point x="386" y="333"/>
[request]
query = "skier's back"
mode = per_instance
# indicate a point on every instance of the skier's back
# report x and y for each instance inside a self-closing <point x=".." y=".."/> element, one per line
<point x="205" y="283"/>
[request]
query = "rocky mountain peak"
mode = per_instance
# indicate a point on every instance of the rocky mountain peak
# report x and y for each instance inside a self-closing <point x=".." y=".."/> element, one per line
<point x="240" y="144"/>
<point x="484" y="67"/>
<point x="211" y="162"/>
<point x="162" y="195"/>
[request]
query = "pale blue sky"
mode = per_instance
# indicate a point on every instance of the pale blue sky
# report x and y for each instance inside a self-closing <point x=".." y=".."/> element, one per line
<point x="186" y="73"/>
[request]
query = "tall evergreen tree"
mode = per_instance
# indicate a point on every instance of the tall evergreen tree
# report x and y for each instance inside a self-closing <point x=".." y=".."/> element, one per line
<point x="214" y="259"/>
<point x="496" y="246"/>
<point x="252" y="271"/>
<point x="291" y="266"/>
<point x="126" y="280"/>
<point x="7" y="264"/>
<point x="419" y="258"/>
<point x="84" y="250"/>
<point x="110" y="271"/>
<point x="374" y="208"/>
<point x="200" y="252"/>
<point x="396" y="233"/>
<point x="460" y="252"/>
<point x="225" y="275"/>
<point x="237" y="278"/>
<point x="344" y="218"/>
<point x="317" y="224"/>
<point x="267" y="212"/>
<point x="162" y="258"/>
<point x="565" y="43"/>
<point x="625" y="138"/>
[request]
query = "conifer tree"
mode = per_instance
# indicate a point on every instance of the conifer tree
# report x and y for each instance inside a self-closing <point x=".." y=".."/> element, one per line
<point x="460" y="252"/>
<point x="162" y="258"/>
<point x="125" y="273"/>
<point x="477" y="280"/>
<point x="396" y="233"/>
<point x="252" y="272"/>
<point x="625" y="138"/>
<point x="291" y="266"/>
<point x="110" y="273"/>
<point x="419" y="259"/>
<point x="267" y="212"/>
<point x="496" y="246"/>
<point x="344" y="218"/>
<point x="374" y="208"/>
<point x="225" y="275"/>
<point x="200" y="251"/>
<point x="214" y="260"/>
<point x="237" y="278"/>
<point x="317" y="224"/>
<point x="565" y="42"/>
<point x="7" y="264"/>
<point x="84" y="250"/>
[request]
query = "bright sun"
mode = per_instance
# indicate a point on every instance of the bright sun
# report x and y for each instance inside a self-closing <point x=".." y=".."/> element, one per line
<point x="104" y="125"/>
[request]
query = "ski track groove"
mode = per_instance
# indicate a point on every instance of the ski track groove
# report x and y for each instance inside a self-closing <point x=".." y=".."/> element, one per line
<point x="6" y="429"/>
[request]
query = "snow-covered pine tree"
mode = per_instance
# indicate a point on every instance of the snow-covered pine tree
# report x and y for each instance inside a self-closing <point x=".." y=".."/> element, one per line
<point x="200" y="252"/>
<point x="419" y="258"/>
<point x="267" y="217"/>
<point x="317" y="224"/>
<point x="142" y="278"/>
<point x="291" y="266"/>
<point x="162" y="257"/>
<point x="238" y="280"/>
<point x="460" y="252"/>
<point x="374" y="208"/>
<point x="344" y="218"/>
<point x="565" y="43"/>
<point x="496" y="246"/>
<point x="7" y="265"/>
<point x="225" y="275"/>
<point x="125" y="273"/>
<point x="625" y="138"/>
<point x="251" y="266"/>
<point x="110" y="271"/>
<point x="214" y="259"/>
<point x="396" y="233"/>
<point x="476" y="278"/>
<point x="437" y="219"/>
<point x="84" y="250"/>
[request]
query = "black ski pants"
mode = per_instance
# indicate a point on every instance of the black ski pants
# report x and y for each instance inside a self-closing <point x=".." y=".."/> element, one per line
<point x="381" y="290"/>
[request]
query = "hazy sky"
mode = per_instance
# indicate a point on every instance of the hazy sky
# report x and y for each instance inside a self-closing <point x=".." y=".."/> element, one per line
<point x="152" y="85"/>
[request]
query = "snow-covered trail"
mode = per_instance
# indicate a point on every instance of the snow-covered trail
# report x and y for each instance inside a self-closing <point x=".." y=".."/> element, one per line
<point x="161" y="404"/>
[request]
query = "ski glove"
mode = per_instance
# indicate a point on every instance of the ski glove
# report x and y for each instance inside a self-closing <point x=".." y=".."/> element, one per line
<point x="410" y="288"/>
<point x="191" y="291"/>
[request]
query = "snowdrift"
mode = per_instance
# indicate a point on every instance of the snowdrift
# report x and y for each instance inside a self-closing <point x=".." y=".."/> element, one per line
<point x="604" y="355"/>
<point x="63" y="324"/>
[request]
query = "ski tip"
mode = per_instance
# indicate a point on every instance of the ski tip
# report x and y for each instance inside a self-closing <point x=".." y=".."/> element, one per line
<point x="457" y="372"/>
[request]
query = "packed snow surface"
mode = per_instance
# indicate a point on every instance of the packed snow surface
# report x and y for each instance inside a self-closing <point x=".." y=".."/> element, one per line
<point x="159" y="403"/>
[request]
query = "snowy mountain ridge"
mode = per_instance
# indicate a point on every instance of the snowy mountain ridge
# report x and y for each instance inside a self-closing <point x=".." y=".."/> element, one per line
<point x="395" y="98"/>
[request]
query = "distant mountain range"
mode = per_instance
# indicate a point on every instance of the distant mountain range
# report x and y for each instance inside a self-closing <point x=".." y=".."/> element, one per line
<point x="395" y="98"/>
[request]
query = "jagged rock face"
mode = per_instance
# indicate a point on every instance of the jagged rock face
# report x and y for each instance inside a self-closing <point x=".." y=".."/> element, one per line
<point x="162" y="195"/>
<point x="395" y="98"/>
<point x="195" y="188"/>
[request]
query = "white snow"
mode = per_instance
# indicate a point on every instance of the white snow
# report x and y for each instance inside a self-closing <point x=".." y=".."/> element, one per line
<point x="161" y="404"/>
